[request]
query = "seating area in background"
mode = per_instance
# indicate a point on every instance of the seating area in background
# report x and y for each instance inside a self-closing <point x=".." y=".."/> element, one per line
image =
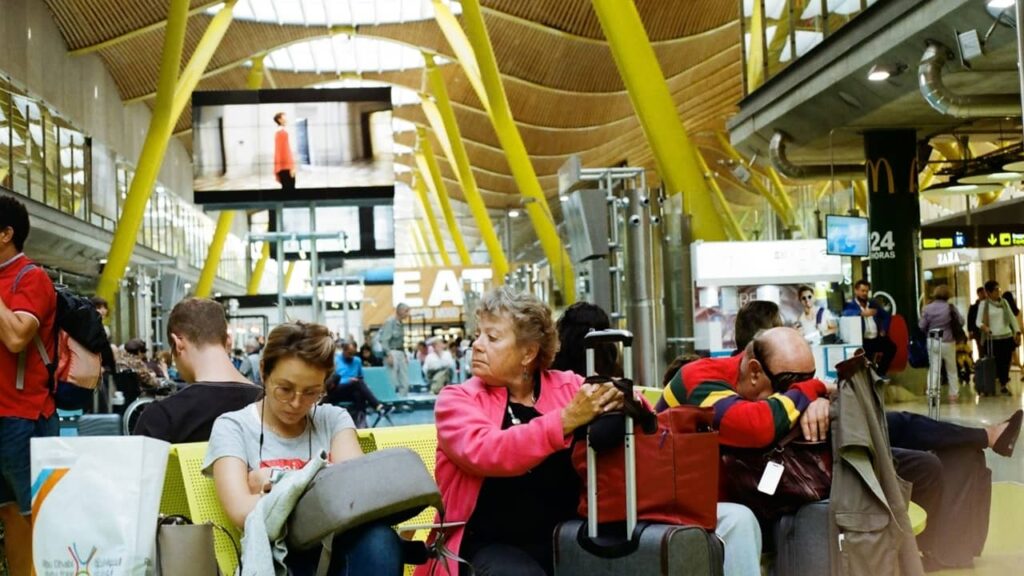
<point x="189" y="493"/>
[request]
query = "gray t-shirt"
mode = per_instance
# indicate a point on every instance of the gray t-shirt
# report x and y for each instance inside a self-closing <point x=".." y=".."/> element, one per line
<point x="238" y="434"/>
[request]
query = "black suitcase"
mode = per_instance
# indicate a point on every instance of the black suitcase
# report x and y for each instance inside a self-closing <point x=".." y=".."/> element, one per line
<point x="985" y="372"/>
<point x="582" y="548"/>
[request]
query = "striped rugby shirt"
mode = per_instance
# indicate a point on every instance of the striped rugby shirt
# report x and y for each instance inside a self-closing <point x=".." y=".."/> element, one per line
<point x="740" y="423"/>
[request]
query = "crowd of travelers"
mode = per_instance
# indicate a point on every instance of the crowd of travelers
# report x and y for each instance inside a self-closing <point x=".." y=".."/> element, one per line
<point x="504" y="435"/>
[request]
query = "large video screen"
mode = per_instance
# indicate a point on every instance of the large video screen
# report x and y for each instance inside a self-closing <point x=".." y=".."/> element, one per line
<point x="333" y="146"/>
<point x="846" y="235"/>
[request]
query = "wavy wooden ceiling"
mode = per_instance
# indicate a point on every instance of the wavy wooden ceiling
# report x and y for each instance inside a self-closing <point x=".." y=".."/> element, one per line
<point x="562" y="84"/>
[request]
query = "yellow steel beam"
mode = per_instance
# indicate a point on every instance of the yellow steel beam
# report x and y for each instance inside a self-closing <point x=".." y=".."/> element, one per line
<point x="460" y="162"/>
<point x="220" y="235"/>
<point x="675" y="154"/>
<point x="427" y="163"/>
<point x="756" y="54"/>
<point x="515" y="150"/>
<point x="429" y="256"/>
<point x="777" y="182"/>
<point x="161" y="123"/>
<point x="822" y="190"/>
<point x="254" y="81"/>
<point x="417" y="244"/>
<point x="428" y="213"/>
<point x="257" y="273"/>
<point x="138" y="31"/>
<point x="201" y="56"/>
<point x="732" y="226"/>
<point x="288" y="274"/>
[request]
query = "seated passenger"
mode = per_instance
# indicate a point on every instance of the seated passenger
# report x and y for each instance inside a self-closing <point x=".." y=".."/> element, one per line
<point x="282" y="432"/>
<point x="133" y="359"/>
<point x="737" y="526"/>
<point x="503" y="438"/>
<point x="197" y="330"/>
<point x="438" y="366"/>
<point x="346" y="384"/>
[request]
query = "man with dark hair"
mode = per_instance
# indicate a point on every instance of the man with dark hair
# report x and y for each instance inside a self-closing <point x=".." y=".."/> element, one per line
<point x="753" y="317"/>
<point x="197" y="330"/>
<point x="28" y="308"/>
<point x="101" y="305"/>
<point x="874" y="323"/>
<point x="284" y="160"/>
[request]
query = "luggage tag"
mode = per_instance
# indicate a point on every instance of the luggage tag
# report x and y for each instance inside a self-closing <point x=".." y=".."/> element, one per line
<point x="771" y="477"/>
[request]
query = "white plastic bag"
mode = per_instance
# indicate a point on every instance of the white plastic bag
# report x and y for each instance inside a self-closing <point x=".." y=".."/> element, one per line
<point x="95" y="502"/>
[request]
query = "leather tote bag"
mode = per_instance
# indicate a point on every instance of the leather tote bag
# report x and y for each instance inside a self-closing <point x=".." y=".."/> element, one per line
<point x="806" y="476"/>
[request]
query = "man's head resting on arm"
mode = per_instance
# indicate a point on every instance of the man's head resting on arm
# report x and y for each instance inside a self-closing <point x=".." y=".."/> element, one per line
<point x="774" y="360"/>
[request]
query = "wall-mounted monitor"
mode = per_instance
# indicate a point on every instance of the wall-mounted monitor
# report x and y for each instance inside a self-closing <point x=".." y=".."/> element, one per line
<point x="846" y="235"/>
<point x="331" y="146"/>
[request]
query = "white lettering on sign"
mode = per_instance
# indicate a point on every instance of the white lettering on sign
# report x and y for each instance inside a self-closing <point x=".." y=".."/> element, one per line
<point x="949" y="258"/>
<point x="447" y="288"/>
<point x="406" y="283"/>
<point x="883" y="247"/>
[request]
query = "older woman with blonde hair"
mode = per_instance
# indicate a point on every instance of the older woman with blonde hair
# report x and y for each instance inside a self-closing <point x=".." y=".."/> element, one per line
<point x="941" y="314"/>
<point x="503" y="462"/>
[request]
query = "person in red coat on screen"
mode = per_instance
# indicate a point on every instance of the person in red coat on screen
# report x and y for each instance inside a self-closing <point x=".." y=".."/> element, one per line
<point x="284" y="161"/>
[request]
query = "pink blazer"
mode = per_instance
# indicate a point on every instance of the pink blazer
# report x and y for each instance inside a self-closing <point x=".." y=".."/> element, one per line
<point x="472" y="446"/>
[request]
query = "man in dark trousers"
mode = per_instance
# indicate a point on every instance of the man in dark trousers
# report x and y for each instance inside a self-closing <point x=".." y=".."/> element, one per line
<point x="972" y="317"/>
<point x="874" y="323"/>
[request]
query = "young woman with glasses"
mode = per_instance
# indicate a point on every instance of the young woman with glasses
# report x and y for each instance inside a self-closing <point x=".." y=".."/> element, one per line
<point x="250" y="449"/>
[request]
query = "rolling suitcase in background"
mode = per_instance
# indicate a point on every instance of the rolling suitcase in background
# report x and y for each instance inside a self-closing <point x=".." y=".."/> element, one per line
<point x="583" y="548"/>
<point x="985" y="372"/>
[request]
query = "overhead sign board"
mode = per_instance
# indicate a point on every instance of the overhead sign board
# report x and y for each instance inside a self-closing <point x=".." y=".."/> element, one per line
<point x="952" y="237"/>
<point x="771" y="262"/>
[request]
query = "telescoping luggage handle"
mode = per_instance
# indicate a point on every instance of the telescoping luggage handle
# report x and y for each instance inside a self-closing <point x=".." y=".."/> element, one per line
<point x="590" y="341"/>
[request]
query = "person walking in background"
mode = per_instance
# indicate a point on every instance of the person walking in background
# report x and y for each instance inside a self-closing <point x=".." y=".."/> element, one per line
<point x="284" y="160"/>
<point x="998" y="325"/>
<point x="1008" y="296"/>
<point x="392" y="338"/>
<point x="972" y="319"/>
<point x="941" y="314"/>
<point x="874" y="323"/>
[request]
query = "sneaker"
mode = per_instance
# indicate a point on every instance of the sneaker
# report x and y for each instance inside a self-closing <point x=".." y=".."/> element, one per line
<point x="385" y="409"/>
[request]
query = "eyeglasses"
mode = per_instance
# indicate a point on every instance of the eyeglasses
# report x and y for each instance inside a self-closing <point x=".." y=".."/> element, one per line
<point x="286" y="395"/>
<point x="783" y="380"/>
<point x="807" y="297"/>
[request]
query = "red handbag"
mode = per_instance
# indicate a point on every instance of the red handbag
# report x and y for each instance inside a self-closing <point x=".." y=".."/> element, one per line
<point x="677" y="472"/>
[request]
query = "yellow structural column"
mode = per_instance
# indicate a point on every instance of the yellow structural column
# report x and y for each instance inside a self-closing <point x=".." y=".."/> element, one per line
<point x="257" y="272"/>
<point x="674" y="153"/>
<point x="161" y="123"/>
<point x="227" y="217"/>
<point x="460" y="161"/>
<point x="515" y="150"/>
<point x="428" y="214"/>
<point x="432" y="172"/>
<point x="734" y="228"/>
<point x="429" y="258"/>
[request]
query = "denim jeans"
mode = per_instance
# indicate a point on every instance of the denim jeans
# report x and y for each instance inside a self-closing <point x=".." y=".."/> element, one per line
<point x="15" y="461"/>
<point x="372" y="550"/>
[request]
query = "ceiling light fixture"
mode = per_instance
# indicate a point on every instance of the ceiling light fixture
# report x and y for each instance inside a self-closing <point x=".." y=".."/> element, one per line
<point x="878" y="73"/>
<point x="513" y="213"/>
<point x="956" y="188"/>
<point x="992" y="178"/>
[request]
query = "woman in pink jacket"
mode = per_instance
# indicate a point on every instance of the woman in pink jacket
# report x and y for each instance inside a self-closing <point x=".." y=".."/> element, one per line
<point x="503" y="441"/>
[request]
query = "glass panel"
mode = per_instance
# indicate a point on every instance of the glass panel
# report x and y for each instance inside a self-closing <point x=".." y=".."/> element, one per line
<point x="5" y="136"/>
<point x="384" y="227"/>
<point x="51" y="161"/>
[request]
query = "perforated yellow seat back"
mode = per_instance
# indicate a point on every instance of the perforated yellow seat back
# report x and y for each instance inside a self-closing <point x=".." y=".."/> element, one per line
<point x="421" y="439"/>
<point x="203" y="504"/>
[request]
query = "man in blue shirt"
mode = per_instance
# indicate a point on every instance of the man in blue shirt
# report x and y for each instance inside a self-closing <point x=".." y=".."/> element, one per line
<point x="347" y="385"/>
<point x="874" y="323"/>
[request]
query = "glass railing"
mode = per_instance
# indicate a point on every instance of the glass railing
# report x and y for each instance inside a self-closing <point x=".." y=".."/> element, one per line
<point x="45" y="158"/>
<point x="777" y="32"/>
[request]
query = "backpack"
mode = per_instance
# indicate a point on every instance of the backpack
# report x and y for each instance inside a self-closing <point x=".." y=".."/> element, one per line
<point x="78" y="324"/>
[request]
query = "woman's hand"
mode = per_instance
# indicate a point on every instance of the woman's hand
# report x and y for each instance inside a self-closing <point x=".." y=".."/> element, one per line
<point x="259" y="481"/>
<point x="590" y="401"/>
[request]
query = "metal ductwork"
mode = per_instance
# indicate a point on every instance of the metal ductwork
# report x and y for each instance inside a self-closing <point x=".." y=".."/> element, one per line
<point x="777" y="155"/>
<point x="935" y="93"/>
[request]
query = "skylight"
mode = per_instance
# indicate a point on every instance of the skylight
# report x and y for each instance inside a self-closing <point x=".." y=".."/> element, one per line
<point x="342" y="53"/>
<point x="334" y="12"/>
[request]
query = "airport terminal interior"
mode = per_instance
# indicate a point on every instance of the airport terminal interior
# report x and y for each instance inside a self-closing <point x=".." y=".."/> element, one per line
<point x="389" y="169"/>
